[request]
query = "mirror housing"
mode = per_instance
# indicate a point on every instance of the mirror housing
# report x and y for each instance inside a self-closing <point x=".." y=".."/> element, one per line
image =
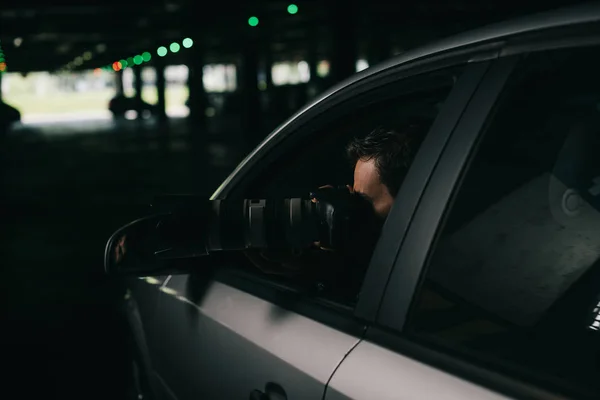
<point x="159" y="244"/>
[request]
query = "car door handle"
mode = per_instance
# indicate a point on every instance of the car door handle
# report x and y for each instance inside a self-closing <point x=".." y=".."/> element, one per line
<point x="272" y="391"/>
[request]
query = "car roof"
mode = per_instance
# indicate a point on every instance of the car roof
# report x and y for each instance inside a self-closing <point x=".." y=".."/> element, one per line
<point x="562" y="17"/>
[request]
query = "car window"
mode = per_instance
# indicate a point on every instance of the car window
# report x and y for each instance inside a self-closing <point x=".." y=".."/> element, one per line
<point x="514" y="278"/>
<point x="320" y="159"/>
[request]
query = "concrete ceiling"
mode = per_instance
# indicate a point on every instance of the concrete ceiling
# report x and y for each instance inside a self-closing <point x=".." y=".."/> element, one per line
<point x="50" y="35"/>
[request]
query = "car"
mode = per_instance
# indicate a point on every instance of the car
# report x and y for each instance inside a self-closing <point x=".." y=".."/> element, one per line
<point x="485" y="281"/>
<point x="121" y="104"/>
<point x="8" y="116"/>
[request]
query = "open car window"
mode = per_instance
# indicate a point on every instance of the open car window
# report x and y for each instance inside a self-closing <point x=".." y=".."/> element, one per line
<point x="319" y="158"/>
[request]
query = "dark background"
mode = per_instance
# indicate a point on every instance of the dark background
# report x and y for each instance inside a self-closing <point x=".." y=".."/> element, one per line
<point x="67" y="185"/>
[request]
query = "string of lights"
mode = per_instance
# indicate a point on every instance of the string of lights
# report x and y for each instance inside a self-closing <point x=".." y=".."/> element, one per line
<point x="3" y="65"/>
<point x="161" y="51"/>
<point x="146" y="56"/>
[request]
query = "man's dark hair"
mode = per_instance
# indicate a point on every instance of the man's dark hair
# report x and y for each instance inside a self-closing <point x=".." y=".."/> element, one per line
<point x="393" y="152"/>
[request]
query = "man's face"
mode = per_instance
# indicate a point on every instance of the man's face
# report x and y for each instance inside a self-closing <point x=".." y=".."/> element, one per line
<point x="368" y="183"/>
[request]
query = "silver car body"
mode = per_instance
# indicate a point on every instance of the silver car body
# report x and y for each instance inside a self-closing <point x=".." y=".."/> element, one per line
<point x="231" y="340"/>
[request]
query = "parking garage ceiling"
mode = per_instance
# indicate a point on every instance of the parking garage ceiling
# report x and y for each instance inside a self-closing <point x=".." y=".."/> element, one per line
<point x="38" y="35"/>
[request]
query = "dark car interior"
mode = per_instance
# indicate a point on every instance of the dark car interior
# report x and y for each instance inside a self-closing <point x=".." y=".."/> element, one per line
<point x="561" y="156"/>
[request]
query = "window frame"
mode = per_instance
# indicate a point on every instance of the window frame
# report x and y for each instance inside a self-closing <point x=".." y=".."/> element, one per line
<point x="410" y="265"/>
<point x="292" y="131"/>
<point x="410" y="262"/>
<point x="344" y="103"/>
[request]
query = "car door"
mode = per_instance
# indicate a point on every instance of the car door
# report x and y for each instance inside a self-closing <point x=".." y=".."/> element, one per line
<point x="237" y="332"/>
<point x="494" y="293"/>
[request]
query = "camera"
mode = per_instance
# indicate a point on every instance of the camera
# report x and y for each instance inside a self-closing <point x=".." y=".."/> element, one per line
<point x="336" y="218"/>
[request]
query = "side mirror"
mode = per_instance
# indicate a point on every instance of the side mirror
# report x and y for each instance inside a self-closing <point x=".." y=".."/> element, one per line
<point x="155" y="245"/>
<point x="187" y="227"/>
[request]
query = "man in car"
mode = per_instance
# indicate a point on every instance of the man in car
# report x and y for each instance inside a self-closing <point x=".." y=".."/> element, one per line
<point x="381" y="160"/>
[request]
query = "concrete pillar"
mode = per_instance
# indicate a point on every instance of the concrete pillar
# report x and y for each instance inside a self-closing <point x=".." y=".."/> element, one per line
<point x="137" y="82"/>
<point x="379" y="46"/>
<point x="163" y="122"/>
<point x="159" y="65"/>
<point x="314" y="85"/>
<point x="198" y="101"/>
<point x="119" y="82"/>
<point x="267" y="52"/>
<point x="268" y="66"/>
<point x="3" y="127"/>
<point x="313" y="61"/>
<point x="251" y="110"/>
<point x="344" y="53"/>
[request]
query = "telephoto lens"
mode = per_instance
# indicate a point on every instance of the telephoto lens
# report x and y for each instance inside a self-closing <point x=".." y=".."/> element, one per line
<point x="262" y="224"/>
<point x="335" y="217"/>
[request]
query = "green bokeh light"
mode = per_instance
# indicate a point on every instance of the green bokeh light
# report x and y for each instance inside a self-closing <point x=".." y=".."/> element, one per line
<point x="161" y="51"/>
<point x="124" y="64"/>
<point x="292" y="9"/>
<point x="146" y="56"/>
<point x="253" y="21"/>
<point x="130" y="61"/>
<point x="138" y="60"/>
<point x="187" y="43"/>
<point x="174" y="47"/>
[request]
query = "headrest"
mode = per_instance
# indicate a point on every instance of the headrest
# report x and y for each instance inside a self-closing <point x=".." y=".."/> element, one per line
<point x="574" y="187"/>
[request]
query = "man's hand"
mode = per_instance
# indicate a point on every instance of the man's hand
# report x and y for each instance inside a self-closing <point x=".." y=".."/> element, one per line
<point x="314" y="200"/>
